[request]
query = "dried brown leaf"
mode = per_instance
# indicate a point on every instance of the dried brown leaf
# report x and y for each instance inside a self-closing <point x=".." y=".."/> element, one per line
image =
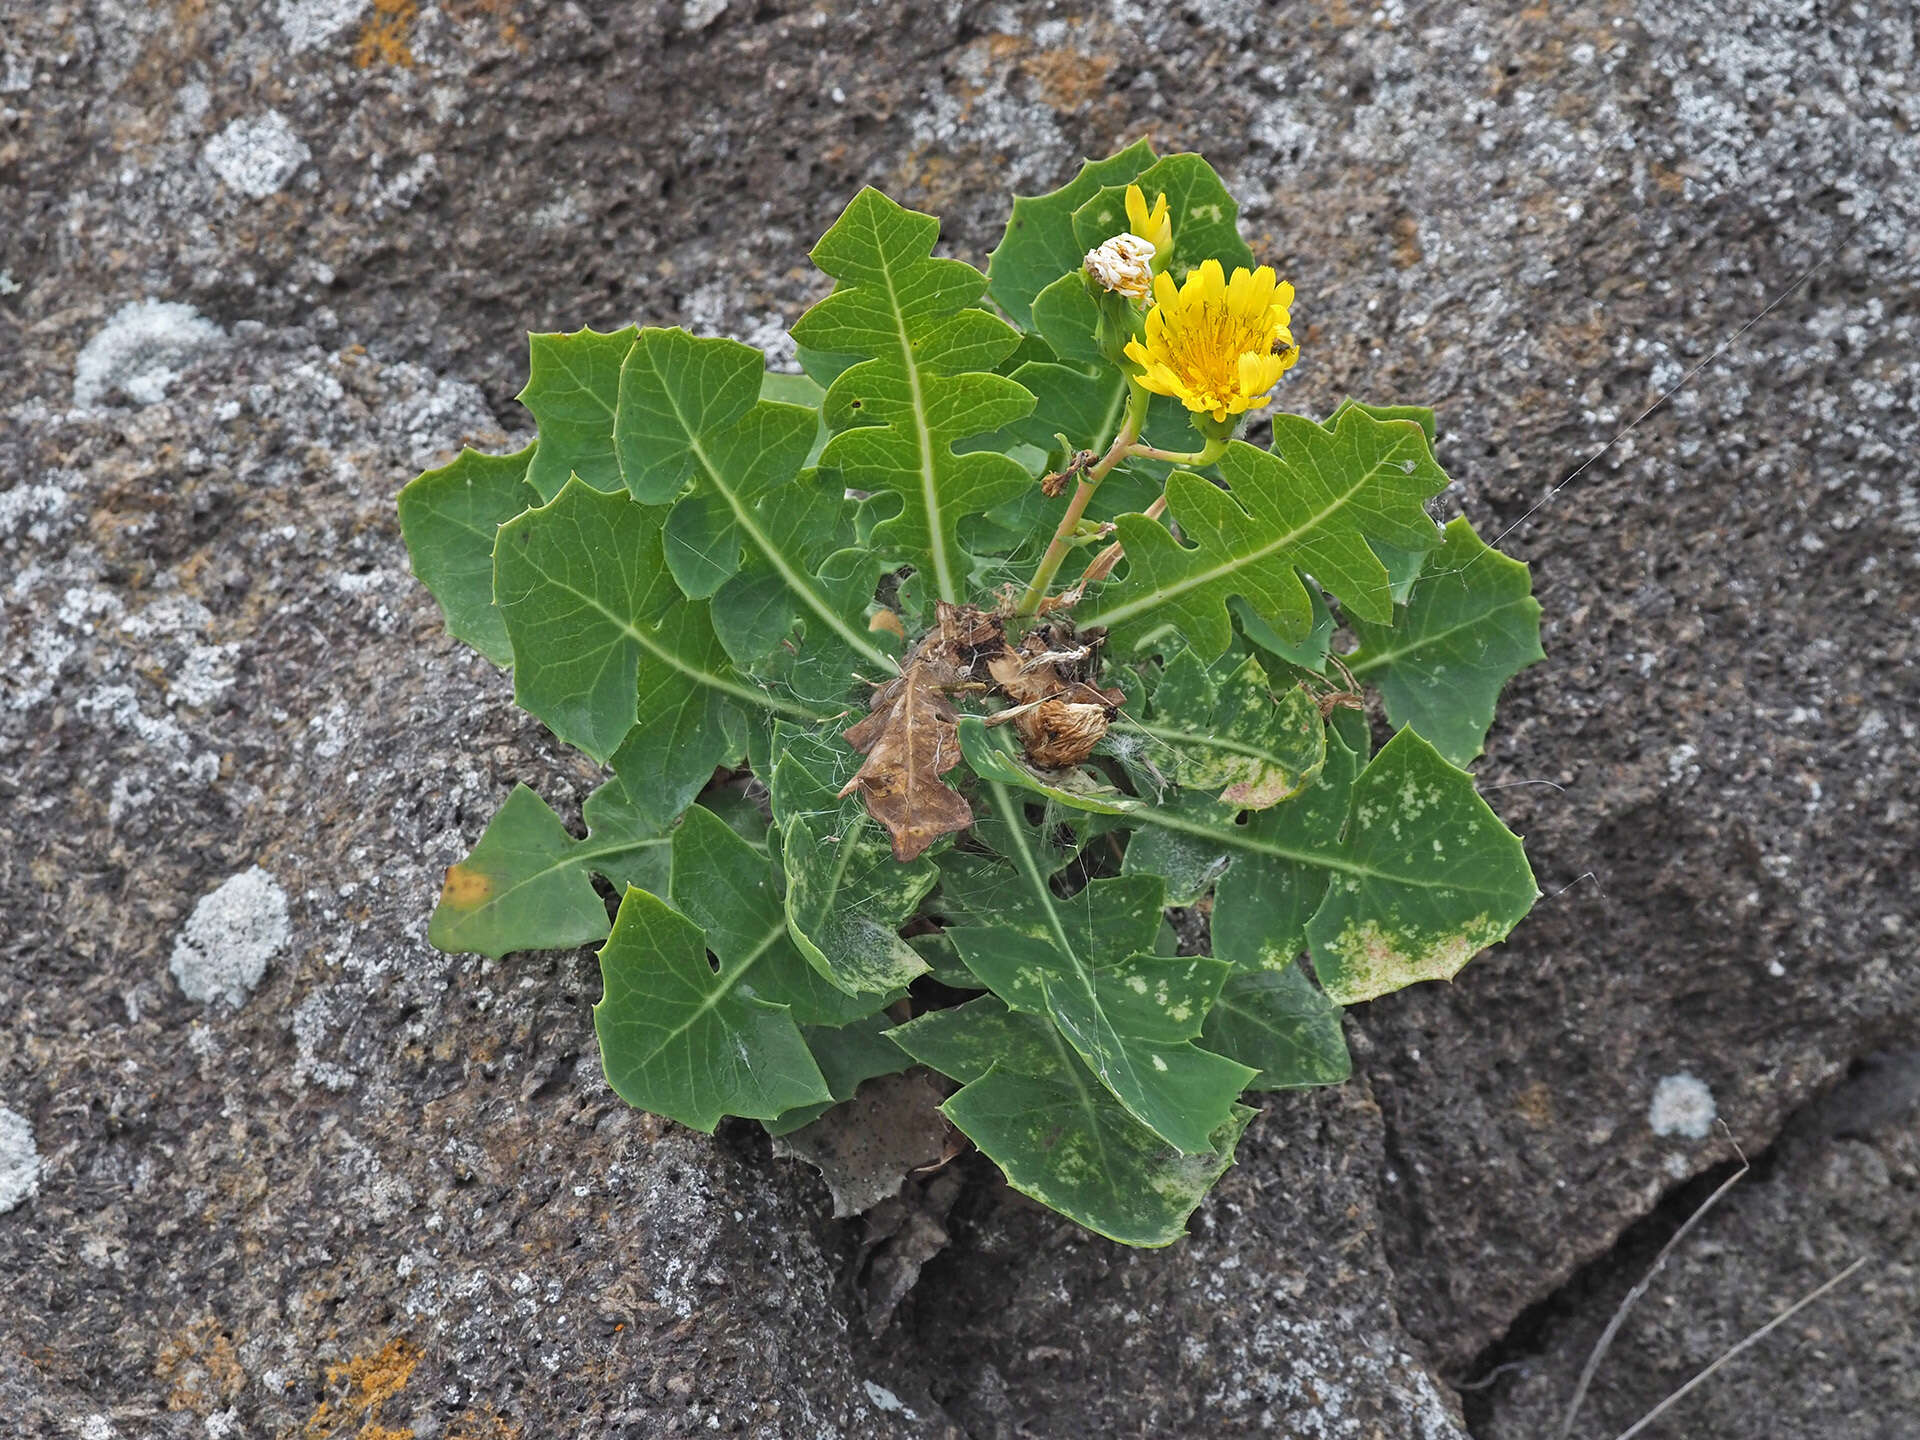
<point x="910" y="741"/>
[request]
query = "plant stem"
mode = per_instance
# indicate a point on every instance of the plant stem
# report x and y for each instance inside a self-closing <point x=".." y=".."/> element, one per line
<point x="1062" y="542"/>
<point x="1102" y="564"/>
<point x="1206" y="455"/>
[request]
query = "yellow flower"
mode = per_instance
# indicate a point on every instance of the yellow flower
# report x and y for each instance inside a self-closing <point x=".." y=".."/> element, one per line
<point x="1211" y="343"/>
<point x="1154" y="225"/>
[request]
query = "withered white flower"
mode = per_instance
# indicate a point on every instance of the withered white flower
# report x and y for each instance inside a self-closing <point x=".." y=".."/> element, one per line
<point x="1123" y="264"/>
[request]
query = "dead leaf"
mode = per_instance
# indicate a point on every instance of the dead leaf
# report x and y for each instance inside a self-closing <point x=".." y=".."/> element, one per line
<point x="909" y="745"/>
<point x="909" y="735"/>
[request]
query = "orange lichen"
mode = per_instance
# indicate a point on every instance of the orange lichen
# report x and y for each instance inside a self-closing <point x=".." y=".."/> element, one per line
<point x="367" y="1383"/>
<point x="1068" y="78"/>
<point x="200" y="1368"/>
<point x="383" y="39"/>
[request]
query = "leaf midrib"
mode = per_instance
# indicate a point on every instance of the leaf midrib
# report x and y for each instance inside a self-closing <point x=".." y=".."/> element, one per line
<point x="1280" y="852"/>
<point x="692" y="672"/>
<point x="929" y="487"/>
<point x="1210" y="742"/>
<point x="1239" y="561"/>
<point x="798" y="583"/>
<point x="1082" y="971"/>
<point x="1386" y="657"/>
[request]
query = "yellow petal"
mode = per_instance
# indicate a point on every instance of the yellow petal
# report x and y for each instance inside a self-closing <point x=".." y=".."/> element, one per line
<point x="1205" y="285"/>
<point x="1250" y="292"/>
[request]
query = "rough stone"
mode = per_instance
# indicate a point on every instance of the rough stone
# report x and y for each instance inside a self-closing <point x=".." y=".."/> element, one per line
<point x="20" y="1162"/>
<point x="393" y="1172"/>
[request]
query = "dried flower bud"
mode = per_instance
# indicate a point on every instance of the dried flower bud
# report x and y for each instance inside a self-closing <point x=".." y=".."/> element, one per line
<point x="1124" y="265"/>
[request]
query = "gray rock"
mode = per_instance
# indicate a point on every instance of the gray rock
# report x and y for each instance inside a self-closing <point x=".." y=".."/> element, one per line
<point x="395" y="1171"/>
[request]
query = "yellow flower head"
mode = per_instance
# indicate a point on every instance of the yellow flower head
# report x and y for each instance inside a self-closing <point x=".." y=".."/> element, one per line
<point x="1218" y="346"/>
<point x="1154" y="225"/>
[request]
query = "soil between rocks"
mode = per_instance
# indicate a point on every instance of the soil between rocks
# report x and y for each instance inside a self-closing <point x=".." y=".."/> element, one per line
<point x="390" y="1188"/>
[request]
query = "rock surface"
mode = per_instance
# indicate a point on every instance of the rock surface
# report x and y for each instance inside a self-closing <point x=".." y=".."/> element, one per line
<point x="271" y="260"/>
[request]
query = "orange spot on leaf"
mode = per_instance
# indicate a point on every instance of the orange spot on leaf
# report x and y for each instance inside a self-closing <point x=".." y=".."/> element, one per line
<point x="465" y="888"/>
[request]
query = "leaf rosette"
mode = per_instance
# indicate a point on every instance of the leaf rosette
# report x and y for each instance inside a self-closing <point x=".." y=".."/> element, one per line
<point x="889" y="786"/>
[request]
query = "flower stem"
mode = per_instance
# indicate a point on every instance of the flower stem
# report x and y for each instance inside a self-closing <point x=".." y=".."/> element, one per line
<point x="1062" y="542"/>
<point x="1206" y="455"/>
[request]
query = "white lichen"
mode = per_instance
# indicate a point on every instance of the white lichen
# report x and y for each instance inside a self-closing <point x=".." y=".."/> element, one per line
<point x="140" y="352"/>
<point x="257" y="155"/>
<point x="19" y="1160"/>
<point x="1682" y="1105"/>
<point x="223" y="950"/>
<point x="311" y="23"/>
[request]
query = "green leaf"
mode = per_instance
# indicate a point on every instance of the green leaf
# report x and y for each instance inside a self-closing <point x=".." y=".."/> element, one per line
<point x="683" y="1040"/>
<point x="922" y="386"/>
<point x="731" y="890"/>
<point x="848" y="1056"/>
<point x="1309" y="653"/>
<point x="1398" y="875"/>
<point x="1036" y="1111"/>
<point x="1205" y="217"/>
<point x="1470" y="625"/>
<point x="646" y="795"/>
<point x="754" y="530"/>
<point x="1039" y="245"/>
<point x="1130" y="1014"/>
<point x="846" y="895"/>
<point x="603" y="640"/>
<point x="1278" y="1022"/>
<point x="1086" y="408"/>
<point x="1312" y="506"/>
<point x="801" y="390"/>
<point x="526" y="885"/>
<point x="1223" y="729"/>
<point x="1278" y="879"/>
<point x="1066" y="315"/>
<point x="1429" y="877"/>
<point x="572" y="384"/>
<point x="1189" y="862"/>
<point x="1403" y="566"/>
<point x="1421" y="415"/>
<point x="449" y="518"/>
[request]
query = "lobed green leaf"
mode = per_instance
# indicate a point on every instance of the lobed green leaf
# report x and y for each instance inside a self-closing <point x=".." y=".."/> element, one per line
<point x="1038" y="1113"/>
<point x="1397" y="874"/>
<point x="752" y="529"/>
<point x="449" y="518"/>
<point x="1206" y="219"/>
<point x="1086" y="963"/>
<point x="1312" y="505"/>
<point x="1278" y="1022"/>
<point x="1469" y="625"/>
<point x="527" y="885"/>
<point x="846" y="895"/>
<point x="1040" y="245"/>
<point x="1222" y="728"/>
<point x="922" y="384"/>
<point x="572" y="385"/>
<point x="686" y="1041"/>
<point x="604" y="641"/>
